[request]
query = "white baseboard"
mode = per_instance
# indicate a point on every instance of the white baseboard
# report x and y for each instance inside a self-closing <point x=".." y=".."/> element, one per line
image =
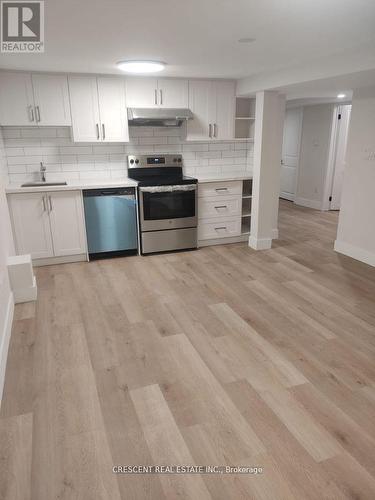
<point x="4" y="345"/>
<point x="260" y="243"/>
<point x="305" y="202"/>
<point x="355" y="252"/>
<point x="223" y="241"/>
<point x="287" y="196"/>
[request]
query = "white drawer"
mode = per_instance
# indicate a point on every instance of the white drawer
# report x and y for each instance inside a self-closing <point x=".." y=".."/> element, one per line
<point x="209" y="229"/>
<point x="219" y="207"/>
<point x="220" y="188"/>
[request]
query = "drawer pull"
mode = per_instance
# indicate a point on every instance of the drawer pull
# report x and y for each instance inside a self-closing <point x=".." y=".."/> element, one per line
<point x="221" y="206"/>
<point x="221" y="189"/>
<point x="220" y="228"/>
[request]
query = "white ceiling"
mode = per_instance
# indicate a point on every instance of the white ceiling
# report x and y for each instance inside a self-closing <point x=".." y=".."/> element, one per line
<point x="198" y="38"/>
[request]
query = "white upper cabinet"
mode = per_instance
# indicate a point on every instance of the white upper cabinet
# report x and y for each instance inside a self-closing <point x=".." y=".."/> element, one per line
<point x="16" y="99"/>
<point x="98" y="107"/>
<point x="225" y="95"/>
<point x="67" y="224"/>
<point x="31" y="224"/>
<point x="85" y="108"/>
<point x="27" y="99"/>
<point x="213" y="105"/>
<point x="203" y="107"/>
<point x="156" y="93"/>
<point x="173" y="93"/>
<point x="141" y="92"/>
<point x="112" y="109"/>
<point x="51" y="97"/>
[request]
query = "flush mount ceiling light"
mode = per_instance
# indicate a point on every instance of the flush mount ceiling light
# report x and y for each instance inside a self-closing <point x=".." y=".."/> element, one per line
<point x="141" y="66"/>
<point x="341" y="96"/>
<point x="247" y="40"/>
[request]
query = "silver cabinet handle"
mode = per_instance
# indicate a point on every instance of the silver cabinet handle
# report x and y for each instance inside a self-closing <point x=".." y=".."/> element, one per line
<point x="221" y="206"/>
<point x="44" y="204"/>
<point x="161" y="96"/>
<point x="210" y="130"/>
<point x="215" y="130"/>
<point x="156" y="96"/>
<point x="221" y="189"/>
<point x="50" y="204"/>
<point x="97" y="131"/>
<point x="31" y="113"/>
<point x="219" y="228"/>
<point x="37" y="113"/>
<point x="103" y="131"/>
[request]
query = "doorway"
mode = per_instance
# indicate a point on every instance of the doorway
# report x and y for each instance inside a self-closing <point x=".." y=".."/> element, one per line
<point x="290" y="153"/>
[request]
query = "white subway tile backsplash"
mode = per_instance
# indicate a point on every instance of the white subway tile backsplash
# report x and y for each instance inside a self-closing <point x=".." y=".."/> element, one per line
<point x="26" y="147"/>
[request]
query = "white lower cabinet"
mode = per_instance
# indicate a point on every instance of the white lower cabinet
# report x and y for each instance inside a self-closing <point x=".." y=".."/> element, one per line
<point x="219" y="212"/>
<point x="48" y="224"/>
<point x="67" y="223"/>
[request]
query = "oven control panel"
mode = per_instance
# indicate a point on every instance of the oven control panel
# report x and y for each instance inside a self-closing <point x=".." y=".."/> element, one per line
<point x="144" y="161"/>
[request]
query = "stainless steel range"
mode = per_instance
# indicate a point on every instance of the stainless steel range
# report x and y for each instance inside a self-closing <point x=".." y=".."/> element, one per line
<point x="167" y="203"/>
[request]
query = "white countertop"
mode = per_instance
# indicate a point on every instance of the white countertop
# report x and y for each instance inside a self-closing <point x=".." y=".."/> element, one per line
<point x="223" y="178"/>
<point x="74" y="185"/>
<point x="112" y="183"/>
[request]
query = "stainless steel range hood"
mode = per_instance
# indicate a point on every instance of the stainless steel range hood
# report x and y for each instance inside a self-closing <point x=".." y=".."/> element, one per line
<point x="158" y="117"/>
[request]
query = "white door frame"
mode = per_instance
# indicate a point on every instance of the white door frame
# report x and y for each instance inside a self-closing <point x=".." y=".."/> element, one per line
<point x="328" y="183"/>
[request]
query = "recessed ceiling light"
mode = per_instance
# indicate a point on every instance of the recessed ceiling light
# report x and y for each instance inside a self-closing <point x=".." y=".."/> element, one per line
<point x="341" y="96"/>
<point x="247" y="40"/>
<point x="141" y="66"/>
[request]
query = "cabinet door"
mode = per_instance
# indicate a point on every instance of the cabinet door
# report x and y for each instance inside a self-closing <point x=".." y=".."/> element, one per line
<point x="51" y="98"/>
<point x="67" y="225"/>
<point x="85" y="108"/>
<point x="16" y="99"/>
<point x="141" y="93"/>
<point x="202" y="105"/>
<point x="112" y="110"/>
<point x="225" y="97"/>
<point x="31" y="225"/>
<point x="173" y="93"/>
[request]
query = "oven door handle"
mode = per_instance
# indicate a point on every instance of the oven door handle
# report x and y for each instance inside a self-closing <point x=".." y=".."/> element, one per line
<point x="168" y="189"/>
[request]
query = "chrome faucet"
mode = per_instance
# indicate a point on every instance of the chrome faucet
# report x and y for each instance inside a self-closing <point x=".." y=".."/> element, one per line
<point x="42" y="172"/>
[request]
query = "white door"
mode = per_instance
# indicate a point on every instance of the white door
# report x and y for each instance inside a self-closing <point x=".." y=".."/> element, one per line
<point x="290" y="153"/>
<point x="51" y="96"/>
<point x="29" y="212"/>
<point x="342" y="139"/>
<point x="112" y="110"/>
<point x="225" y="96"/>
<point x="142" y="93"/>
<point x="173" y="93"/>
<point x="67" y="224"/>
<point x="202" y="105"/>
<point x="16" y="99"/>
<point x="85" y="108"/>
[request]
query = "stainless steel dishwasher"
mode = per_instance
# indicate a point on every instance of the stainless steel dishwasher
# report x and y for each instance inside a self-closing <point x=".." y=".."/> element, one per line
<point x="111" y="222"/>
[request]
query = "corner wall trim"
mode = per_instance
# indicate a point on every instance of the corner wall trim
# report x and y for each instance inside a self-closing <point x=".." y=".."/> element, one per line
<point x="355" y="252"/>
<point x="260" y="243"/>
<point x="5" y="341"/>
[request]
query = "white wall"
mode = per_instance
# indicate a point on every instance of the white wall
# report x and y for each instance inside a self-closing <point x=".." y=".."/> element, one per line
<point x="314" y="155"/>
<point x="356" y="229"/>
<point x="6" y="249"/>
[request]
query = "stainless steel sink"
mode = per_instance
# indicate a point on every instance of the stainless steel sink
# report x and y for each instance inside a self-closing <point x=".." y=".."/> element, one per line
<point x="39" y="184"/>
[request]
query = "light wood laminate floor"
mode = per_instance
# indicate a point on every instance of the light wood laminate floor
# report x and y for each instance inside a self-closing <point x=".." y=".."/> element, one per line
<point x="219" y="356"/>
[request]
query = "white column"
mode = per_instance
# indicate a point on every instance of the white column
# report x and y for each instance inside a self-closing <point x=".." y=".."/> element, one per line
<point x="269" y="124"/>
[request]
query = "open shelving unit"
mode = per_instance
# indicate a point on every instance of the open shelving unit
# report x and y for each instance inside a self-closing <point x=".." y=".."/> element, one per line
<point x="247" y="195"/>
<point x="245" y="118"/>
